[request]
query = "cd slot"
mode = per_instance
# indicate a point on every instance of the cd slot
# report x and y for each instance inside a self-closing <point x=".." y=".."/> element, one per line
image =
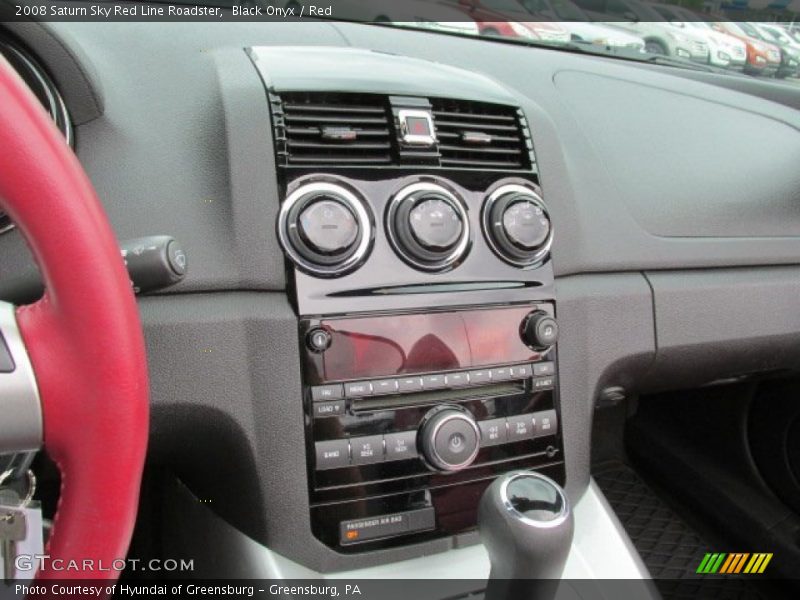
<point x="436" y="396"/>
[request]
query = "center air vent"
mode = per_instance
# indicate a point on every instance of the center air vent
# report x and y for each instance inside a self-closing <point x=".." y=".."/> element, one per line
<point x="481" y="135"/>
<point x="332" y="129"/>
<point x="329" y="129"/>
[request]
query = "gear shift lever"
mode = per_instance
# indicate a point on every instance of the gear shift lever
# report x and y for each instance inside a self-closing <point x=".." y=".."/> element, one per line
<point x="526" y="525"/>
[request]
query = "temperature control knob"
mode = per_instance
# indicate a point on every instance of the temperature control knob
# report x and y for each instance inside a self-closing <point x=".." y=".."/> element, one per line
<point x="428" y="226"/>
<point x="450" y="438"/>
<point x="325" y="228"/>
<point x="539" y="330"/>
<point x="328" y="226"/>
<point x="517" y="226"/>
<point x="435" y="224"/>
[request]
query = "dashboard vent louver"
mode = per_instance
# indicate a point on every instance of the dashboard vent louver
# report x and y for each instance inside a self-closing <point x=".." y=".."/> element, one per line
<point x="481" y="135"/>
<point x="330" y="129"/>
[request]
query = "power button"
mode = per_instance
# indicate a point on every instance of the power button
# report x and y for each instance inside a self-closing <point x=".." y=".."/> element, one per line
<point x="318" y="340"/>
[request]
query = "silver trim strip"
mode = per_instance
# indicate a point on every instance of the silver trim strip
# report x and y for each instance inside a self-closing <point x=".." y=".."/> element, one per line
<point x="560" y="517"/>
<point x="21" y="428"/>
<point x="514" y="188"/>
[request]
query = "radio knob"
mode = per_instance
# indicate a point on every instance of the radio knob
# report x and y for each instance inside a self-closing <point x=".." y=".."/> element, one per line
<point x="539" y="330"/>
<point x="450" y="438"/>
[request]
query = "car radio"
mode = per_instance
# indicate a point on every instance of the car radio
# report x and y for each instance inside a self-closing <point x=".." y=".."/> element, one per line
<point x="410" y="416"/>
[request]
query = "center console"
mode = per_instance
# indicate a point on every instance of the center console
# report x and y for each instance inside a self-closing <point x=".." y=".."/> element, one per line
<point x="417" y="244"/>
<point x="411" y="416"/>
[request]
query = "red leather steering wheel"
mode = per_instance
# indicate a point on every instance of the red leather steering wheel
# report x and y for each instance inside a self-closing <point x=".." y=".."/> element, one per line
<point x="84" y="339"/>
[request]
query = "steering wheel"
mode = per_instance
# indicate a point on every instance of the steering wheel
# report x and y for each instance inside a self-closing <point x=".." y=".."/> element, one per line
<point x="76" y="382"/>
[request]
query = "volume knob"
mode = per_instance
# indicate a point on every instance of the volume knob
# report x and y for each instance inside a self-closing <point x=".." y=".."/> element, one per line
<point x="450" y="438"/>
<point x="539" y="330"/>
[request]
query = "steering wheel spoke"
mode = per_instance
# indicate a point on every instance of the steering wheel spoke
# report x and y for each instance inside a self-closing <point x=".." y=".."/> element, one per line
<point x="21" y="428"/>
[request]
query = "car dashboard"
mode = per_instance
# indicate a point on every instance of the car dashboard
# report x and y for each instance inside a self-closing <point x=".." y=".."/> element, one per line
<point x="389" y="230"/>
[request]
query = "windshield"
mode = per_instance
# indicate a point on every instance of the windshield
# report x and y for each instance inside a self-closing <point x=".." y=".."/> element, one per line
<point x="669" y="32"/>
<point x="750" y="30"/>
<point x="776" y="35"/>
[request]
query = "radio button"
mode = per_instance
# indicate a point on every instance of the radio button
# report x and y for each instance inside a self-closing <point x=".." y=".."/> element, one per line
<point x="493" y="432"/>
<point x="546" y="423"/>
<point x="520" y="427"/>
<point x="479" y="377"/>
<point x="329" y="409"/>
<point x="367" y="450"/>
<point x="457" y="379"/>
<point x="501" y="374"/>
<point x="332" y="454"/>
<point x="543" y="383"/>
<point x="521" y="371"/>
<point x="327" y="392"/>
<point x="357" y="388"/>
<point x="456" y="442"/>
<point x="384" y="386"/>
<point x="402" y="445"/>
<point x="544" y="368"/>
<point x="434" y="382"/>
<point x="318" y="340"/>
<point x="409" y="384"/>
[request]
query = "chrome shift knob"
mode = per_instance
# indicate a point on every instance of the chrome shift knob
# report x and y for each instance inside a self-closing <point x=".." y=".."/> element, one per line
<point x="526" y="525"/>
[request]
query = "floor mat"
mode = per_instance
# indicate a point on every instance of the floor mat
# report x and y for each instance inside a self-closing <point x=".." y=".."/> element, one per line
<point x="669" y="547"/>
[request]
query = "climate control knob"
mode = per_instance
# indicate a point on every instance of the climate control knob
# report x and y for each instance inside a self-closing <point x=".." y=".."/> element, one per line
<point x="435" y="224"/>
<point x="517" y="226"/>
<point x="539" y="330"/>
<point x="325" y="228"/>
<point x="428" y="226"/>
<point x="449" y="438"/>
<point x="328" y="226"/>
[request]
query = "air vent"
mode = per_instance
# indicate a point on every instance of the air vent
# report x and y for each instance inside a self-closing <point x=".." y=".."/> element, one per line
<point x="329" y="129"/>
<point x="480" y="135"/>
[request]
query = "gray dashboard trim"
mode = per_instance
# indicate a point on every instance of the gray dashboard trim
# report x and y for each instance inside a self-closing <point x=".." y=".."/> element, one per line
<point x="716" y="324"/>
<point x="70" y="67"/>
<point x="358" y="70"/>
<point x="606" y="339"/>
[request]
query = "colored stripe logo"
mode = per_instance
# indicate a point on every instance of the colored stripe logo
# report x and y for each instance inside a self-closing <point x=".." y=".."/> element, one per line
<point x="734" y="563"/>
